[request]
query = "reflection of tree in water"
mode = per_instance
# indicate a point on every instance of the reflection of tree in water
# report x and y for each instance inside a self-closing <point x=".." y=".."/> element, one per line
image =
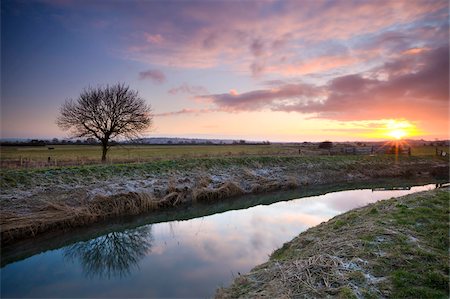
<point x="113" y="254"/>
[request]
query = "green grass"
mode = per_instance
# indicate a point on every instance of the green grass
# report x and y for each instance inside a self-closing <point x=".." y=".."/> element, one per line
<point x="79" y="154"/>
<point x="135" y="153"/>
<point x="48" y="176"/>
<point x="416" y="260"/>
<point x="428" y="150"/>
<point x="87" y="173"/>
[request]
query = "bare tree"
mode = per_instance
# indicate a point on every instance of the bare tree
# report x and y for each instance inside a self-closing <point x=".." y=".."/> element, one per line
<point x="114" y="254"/>
<point x="105" y="113"/>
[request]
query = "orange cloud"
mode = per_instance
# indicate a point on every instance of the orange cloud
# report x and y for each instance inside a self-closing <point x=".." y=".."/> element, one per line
<point x="316" y="65"/>
<point x="414" y="51"/>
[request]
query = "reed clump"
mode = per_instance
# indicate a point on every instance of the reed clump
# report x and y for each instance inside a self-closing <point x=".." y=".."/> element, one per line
<point x="44" y="215"/>
<point x="131" y="203"/>
<point x="266" y="187"/>
<point x="172" y="199"/>
<point x="228" y="189"/>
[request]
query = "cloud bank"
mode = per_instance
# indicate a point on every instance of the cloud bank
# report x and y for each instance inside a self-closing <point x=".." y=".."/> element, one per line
<point x="413" y="86"/>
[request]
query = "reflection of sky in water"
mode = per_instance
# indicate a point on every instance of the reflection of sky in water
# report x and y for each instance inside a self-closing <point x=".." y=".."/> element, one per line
<point x="180" y="258"/>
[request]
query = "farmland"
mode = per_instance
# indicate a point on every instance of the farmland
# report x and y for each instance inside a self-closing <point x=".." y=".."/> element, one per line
<point x="89" y="154"/>
<point x="65" y="155"/>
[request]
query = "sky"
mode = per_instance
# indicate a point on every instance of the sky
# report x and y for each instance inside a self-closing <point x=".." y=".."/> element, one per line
<point x="298" y="70"/>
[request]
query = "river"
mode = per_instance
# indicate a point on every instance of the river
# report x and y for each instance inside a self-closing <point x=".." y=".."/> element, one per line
<point x="181" y="258"/>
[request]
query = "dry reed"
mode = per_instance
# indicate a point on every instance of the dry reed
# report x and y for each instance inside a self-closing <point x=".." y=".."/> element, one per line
<point x="228" y="189"/>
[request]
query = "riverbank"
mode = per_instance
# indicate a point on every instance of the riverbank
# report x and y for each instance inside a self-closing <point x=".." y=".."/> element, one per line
<point x="394" y="248"/>
<point x="37" y="201"/>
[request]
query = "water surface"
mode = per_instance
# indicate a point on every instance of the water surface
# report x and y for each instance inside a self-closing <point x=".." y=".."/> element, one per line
<point x="189" y="258"/>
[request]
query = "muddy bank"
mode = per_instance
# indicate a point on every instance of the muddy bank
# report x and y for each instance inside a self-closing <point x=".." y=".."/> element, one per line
<point x="46" y="205"/>
<point x="394" y="248"/>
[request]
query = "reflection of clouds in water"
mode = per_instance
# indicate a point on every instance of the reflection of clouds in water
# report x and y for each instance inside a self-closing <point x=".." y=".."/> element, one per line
<point x="304" y="220"/>
<point x="256" y="240"/>
<point x="346" y="200"/>
<point x="113" y="254"/>
<point x="245" y="241"/>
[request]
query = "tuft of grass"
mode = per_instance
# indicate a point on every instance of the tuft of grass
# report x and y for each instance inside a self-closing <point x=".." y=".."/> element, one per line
<point x="373" y="211"/>
<point x="346" y="293"/>
<point x="357" y="277"/>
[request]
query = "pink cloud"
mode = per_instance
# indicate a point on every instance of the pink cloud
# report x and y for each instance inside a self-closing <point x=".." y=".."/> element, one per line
<point x="260" y="99"/>
<point x="188" y="89"/>
<point x="185" y="111"/>
<point x="316" y="65"/>
<point x="154" y="75"/>
<point x="260" y="36"/>
<point x="414" y="51"/>
<point x="248" y="37"/>
<point x="421" y="94"/>
<point x="153" y="38"/>
<point x="418" y="95"/>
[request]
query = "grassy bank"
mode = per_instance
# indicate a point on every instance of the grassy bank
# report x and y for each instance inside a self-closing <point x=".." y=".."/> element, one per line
<point x="18" y="157"/>
<point x="34" y="201"/>
<point x="394" y="248"/>
<point x="86" y="174"/>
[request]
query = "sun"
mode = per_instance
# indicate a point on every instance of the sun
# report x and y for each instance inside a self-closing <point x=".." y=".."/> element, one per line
<point x="398" y="133"/>
<point x="399" y="129"/>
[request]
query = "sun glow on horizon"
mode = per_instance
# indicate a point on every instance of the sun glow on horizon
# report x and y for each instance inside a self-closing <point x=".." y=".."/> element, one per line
<point x="398" y="129"/>
<point x="393" y="129"/>
<point x="398" y="134"/>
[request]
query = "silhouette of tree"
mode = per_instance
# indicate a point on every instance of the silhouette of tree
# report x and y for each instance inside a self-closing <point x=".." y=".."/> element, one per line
<point x="105" y="113"/>
<point x="114" y="254"/>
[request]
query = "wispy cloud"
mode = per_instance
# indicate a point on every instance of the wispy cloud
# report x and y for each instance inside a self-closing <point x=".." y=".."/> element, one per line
<point x="264" y="98"/>
<point x="154" y="75"/>
<point x="278" y="38"/>
<point x="188" y="89"/>
<point x="185" y="111"/>
<point x="259" y="37"/>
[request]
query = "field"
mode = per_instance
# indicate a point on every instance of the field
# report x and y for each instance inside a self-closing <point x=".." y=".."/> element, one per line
<point x="65" y="155"/>
<point x="88" y="154"/>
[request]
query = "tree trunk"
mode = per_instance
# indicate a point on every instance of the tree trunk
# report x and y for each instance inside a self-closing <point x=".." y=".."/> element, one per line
<point x="104" y="150"/>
